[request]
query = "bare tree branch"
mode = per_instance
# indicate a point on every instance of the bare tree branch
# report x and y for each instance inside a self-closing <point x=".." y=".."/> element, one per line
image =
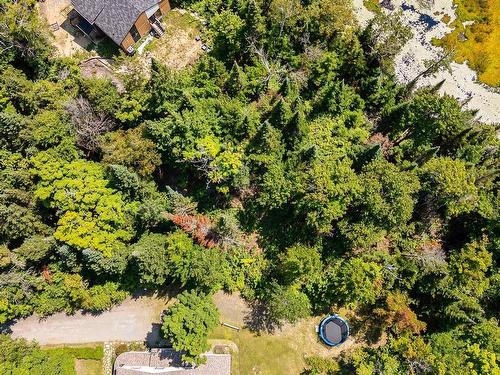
<point x="89" y="125"/>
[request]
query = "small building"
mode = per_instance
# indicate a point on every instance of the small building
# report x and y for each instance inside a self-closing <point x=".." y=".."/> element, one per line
<point x="123" y="21"/>
<point x="169" y="362"/>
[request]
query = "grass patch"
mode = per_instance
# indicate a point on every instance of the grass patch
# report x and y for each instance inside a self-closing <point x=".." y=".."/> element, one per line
<point x="78" y="360"/>
<point x="261" y="354"/>
<point x="477" y="43"/>
<point x="80" y="352"/>
<point x="183" y="21"/>
<point x="178" y="47"/>
<point x="88" y="367"/>
<point x="284" y="352"/>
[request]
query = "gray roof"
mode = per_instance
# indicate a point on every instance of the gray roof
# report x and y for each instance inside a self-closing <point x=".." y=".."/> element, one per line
<point x="169" y="362"/>
<point x="114" y="17"/>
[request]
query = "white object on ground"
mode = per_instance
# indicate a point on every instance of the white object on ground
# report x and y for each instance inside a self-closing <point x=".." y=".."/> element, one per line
<point x="363" y="15"/>
<point x="148" y="40"/>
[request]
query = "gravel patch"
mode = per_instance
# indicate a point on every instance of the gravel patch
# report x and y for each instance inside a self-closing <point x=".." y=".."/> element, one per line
<point x="133" y="320"/>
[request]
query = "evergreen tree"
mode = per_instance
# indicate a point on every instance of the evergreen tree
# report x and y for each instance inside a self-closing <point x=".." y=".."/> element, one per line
<point x="236" y="82"/>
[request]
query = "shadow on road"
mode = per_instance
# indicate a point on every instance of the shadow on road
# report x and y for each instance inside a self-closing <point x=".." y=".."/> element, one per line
<point x="154" y="338"/>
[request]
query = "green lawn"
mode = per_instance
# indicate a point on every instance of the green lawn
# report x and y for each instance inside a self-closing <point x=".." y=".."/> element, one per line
<point x="264" y="354"/>
<point x="79" y="360"/>
<point x="281" y="353"/>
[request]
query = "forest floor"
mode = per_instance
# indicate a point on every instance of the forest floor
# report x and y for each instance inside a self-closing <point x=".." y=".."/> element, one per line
<point x="136" y="319"/>
<point x="282" y="351"/>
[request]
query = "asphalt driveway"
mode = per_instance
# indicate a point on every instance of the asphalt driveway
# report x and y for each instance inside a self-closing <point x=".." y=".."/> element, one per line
<point x="133" y="320"/>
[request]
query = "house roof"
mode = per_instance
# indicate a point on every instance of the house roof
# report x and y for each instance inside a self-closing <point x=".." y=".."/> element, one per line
<point x="169" y="362"/>
<point x="114" y="17"/>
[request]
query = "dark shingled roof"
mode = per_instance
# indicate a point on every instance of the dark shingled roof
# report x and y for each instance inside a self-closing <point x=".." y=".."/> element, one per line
<point x="114" y="17"/>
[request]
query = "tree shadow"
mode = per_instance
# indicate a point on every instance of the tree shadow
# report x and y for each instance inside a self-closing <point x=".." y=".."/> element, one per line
<point x="155" y="339"/>
<point x="174" y="357"/>
<point x="364" y="325"/>
<point x="6" y="328"/>
<point x="78" y="37"/>
<point x="168" y="291"/>
<point x="258" y="319"/>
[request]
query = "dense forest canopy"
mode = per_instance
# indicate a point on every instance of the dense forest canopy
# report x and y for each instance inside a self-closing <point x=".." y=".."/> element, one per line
<point x="287" y="164"/>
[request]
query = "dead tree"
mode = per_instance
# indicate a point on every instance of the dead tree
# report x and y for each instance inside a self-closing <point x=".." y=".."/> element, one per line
<point x="88" y="124"/>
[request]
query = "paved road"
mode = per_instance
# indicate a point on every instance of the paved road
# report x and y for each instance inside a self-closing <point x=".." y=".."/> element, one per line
<point x="133" y="320"/>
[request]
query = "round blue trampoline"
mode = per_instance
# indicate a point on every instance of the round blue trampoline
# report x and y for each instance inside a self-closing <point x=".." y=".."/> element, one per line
<point x="333" y="330"/>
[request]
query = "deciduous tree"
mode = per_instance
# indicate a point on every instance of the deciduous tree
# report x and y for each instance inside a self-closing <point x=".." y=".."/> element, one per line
<point x="188" y="323"/>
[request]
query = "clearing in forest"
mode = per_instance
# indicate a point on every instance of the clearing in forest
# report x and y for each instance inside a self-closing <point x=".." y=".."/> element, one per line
<point x="68" y="41"/>
<point x="179" y="46"/>
<point x="283" y="351"/>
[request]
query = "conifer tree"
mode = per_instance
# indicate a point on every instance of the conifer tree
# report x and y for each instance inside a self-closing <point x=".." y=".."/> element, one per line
<point x="235" y="84"/>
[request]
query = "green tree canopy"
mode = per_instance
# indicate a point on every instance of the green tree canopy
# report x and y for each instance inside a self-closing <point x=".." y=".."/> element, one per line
<point x="451" y="184"/>
<point x="91" y="215"/>
<point x="286" y="304"/>
<point x="150" y="255"/>
<point x="300" y="263"/>
<point x="188" y="323"/>
<point x="131" y="149"/>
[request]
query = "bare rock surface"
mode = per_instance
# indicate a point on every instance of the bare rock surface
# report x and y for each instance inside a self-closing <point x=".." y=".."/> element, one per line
<point x="427" y="23"/>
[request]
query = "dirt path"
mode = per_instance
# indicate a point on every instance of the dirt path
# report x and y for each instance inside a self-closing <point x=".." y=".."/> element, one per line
<point x="133" y="320"/>
<point x="232" y="308"/>
<point x="66" y="38"/>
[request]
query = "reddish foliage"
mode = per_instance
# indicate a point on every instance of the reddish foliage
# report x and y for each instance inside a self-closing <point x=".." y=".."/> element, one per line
<point x="46" y="274"/>
<point x="398" y="315"/>
<point x="383" y="141"/>
<point x="203" y="231"/>
<point x="407" y="321"/>
<point x="198" y="226"/>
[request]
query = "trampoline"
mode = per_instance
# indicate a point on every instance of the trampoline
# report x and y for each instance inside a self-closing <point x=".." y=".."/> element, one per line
<point x="333" y="330"/>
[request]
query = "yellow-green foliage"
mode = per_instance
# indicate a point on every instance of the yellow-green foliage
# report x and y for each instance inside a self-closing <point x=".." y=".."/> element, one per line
<point x="91" y="215"/>
<point x="373" y="5"/>
<point x="480" y="45"/>
<point x="223" y="162"/>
